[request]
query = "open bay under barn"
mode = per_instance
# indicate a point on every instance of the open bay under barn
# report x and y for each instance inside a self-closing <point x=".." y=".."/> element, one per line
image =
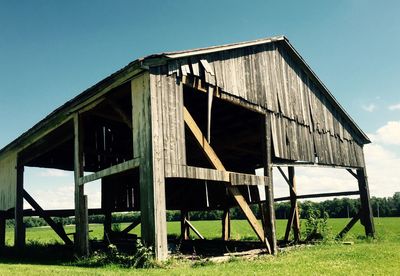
<point x="187" y="131"/>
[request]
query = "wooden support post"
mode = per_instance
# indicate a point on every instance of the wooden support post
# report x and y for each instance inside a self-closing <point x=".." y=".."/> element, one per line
<point x="293" y="202"/>
<point x="19" y="232"/>
<point x="106" y="207"/>
<point x="366" y="217"/>
<point x="184" y="226"/>
<point x="270" y="229"/>
<point x="226" y="225"/>
<point x="2" y="231"/>
<point x="81" y="213"/>
<point x="107" y="224"/>
<point x="348" y="226"/>
<point x="148" y="146"/>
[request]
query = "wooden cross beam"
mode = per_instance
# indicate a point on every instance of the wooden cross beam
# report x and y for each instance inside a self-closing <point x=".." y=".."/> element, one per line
<point x="348" y="226"/>
<point x="131" y="226"/>
<point x="56" y="227"/>
<point x="194" y="229"/>
<point x="216" y="162"/>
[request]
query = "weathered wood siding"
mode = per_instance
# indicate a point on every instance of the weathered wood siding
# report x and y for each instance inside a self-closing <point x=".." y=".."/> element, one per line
<point x="305" y="121"/>
<point x="170" y="93"/>
<point x="8" y="181"/>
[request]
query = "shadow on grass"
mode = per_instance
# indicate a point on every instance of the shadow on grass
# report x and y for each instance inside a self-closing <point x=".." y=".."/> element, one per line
<point x="37" y="253"/>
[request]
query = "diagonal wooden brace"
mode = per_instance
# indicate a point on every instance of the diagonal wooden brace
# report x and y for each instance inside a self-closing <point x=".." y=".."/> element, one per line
<point x="216" y="162"/>
<point x="56" y="227"/>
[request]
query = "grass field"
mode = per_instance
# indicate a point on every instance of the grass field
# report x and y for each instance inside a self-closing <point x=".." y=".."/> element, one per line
<point x="379" y="257"/>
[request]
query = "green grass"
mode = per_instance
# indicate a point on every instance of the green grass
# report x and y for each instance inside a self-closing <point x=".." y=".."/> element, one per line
<point x="380" y="256"/>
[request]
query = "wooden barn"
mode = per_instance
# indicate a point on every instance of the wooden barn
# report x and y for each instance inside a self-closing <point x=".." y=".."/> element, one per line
<point x="186" y="131"/>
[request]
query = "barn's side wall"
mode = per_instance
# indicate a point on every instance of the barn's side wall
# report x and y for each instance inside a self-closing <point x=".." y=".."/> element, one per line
<point x="305" y="122"/>
<point x="8" y="180"/>
<point x="171" y="97"/>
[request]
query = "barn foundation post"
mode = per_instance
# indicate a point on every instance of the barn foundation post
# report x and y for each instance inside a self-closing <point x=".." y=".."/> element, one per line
<point x="226" y="225"/>
<point x="294" y="219"/>
<point x="184" y="225"/>
<point x="148" y="146"/>
<point x="270" y="229"/>
<point x="81" y="238"/>
<point x="19" y="232"/>
<point x="366" y="216"/>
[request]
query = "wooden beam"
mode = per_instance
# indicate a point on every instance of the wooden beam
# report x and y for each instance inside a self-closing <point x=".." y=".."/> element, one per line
<point x="310" y="165"/>
<point x="148" y="146"/>
<point x="216" y="162"/>
<point x="293" y="203"/>
<point x="348" y="226"/>
<point x="270" y="229"/>
<point x="235" y="178"/>
<point x="194" y="229"/>
<point x="132" y="226"/>
<point x="366" y="216"/>
<point x="184" y="226"/>
<point x="19" y="232"/>
<point x="81" y="238"/>
<point x="319" y="195"/>
<point x="286" y="179"/>
<point x="56" y="227"/>
<point x="352" y="173"/>
<point x="226" y="225"/>
<point x="51" y="213"/>
<point x="45" y="148"/>
<point x="122" y="167"/>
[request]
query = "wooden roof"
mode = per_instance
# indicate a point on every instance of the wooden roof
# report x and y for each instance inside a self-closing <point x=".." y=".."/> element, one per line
<point x="141" y="64"/>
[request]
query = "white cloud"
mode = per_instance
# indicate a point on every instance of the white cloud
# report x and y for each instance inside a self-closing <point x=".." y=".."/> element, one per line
<point x="370" y="108"/>
<point x="388" y="134"/>
<point x="53" y="173"/>
<point x="382" y="169"/>
<point x="61" y="196"/>
<point x="394" y="107"/>
<point x="382" y="163"/>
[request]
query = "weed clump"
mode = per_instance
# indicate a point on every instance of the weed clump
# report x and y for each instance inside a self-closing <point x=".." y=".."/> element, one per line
<point x="316" y="225"/>
<point x="142" y="258"/>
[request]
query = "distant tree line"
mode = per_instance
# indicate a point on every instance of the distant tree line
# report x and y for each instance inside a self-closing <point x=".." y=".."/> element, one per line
<point x="336" y="208"/>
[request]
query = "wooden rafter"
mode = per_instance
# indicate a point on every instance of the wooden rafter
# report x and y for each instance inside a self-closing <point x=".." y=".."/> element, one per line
<point x="216" y="162"/>
<point x="120" y="113"/>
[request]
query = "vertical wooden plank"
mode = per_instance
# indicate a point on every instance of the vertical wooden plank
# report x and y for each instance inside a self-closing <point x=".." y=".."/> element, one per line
<point x="293" y="203"/>
<point x="81" y="218"/>
<point x="184" y="226"/>
<point x="148" y="145"/>
<point x="19" y="232"/>
<point x="366" y="217"/>
<point x="226" y="225"/>
<point x="270" y="229"/>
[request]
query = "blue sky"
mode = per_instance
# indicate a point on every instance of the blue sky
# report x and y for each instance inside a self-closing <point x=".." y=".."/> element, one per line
<point x="50" y="51"/>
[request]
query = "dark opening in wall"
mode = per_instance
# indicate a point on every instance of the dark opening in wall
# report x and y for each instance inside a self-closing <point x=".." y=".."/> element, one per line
<point x="236" y="133"/>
